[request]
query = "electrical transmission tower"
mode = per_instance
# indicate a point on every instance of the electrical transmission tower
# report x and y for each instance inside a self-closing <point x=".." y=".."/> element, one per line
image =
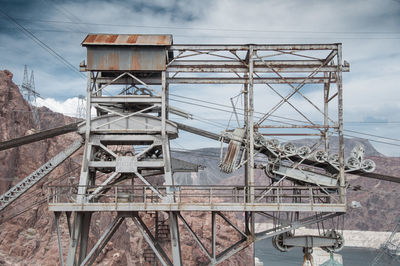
<point x="29" y="93"/>
<point x="81" y="107"/>
<point x="390" y="250"/>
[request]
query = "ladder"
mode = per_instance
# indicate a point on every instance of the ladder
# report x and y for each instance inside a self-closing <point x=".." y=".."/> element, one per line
<point x="20" y="188"/>
<point x="162" y="234"/>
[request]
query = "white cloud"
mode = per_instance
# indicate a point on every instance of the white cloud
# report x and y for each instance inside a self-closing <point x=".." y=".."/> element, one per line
<point x="67" y="107"/>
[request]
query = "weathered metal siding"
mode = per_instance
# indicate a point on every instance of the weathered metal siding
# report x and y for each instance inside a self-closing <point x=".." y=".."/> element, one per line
<point x="142" y="58"/>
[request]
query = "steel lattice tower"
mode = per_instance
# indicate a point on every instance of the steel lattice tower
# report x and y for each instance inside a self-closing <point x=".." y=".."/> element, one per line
<point x="29" y="93"/>
<point x="128" y="143"/>
<point x="389" y="252"/>
<point x="81" y="107"/>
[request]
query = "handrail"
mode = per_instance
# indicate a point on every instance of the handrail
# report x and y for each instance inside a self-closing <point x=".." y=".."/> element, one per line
<point x="196" y="194"/>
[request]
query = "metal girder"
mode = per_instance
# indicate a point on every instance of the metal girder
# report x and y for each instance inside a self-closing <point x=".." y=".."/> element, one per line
<point x="28" y="182"/>
<point x="98" y="190"/>
<point x="233" y="80"/>
<point x="74" y="239"/>
<point x="271" y="47"/>
<point x="196" y="238"/>
<point x="198" y="131"/>
<point x="306" y="176"/>
<point x="84" y="237"/>
<point x="175" y="239"/>
<point x="309" y="241"/>
<point x="215" y="206"/>
<point x="155" y="246"/>
<point x="113" y="164"/>
<point x="213" y="237"/>
<point x="45" y="134"/>
<point x="245" y="242"/>
<point x="236" y="80"/>
<point x="102" y="241"/>
<point x="230" y="68"/>
<point x="231" y="224"/>
<point x="127" y="99"/>
<point x="243" y="63"/>
<point x="57" y="216"/>
<point x="232" y="250"/>
<point x="294" y="225"/>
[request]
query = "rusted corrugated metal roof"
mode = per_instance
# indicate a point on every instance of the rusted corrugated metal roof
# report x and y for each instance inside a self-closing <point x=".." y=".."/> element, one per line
<point x="127" y="39"/>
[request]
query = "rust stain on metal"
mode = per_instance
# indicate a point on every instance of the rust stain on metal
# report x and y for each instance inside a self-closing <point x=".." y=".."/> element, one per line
<point x="102" y="63"/>
<point x="132" y="39"/>
<point x="127" y="39"/>
<point x="161" y="39"/>
<point x="90" y="38"/>
<point x="113" y="61"/>
<point x="111" y="38"/>
<point x="135" y="62"/>
<point x="231" y="153"/>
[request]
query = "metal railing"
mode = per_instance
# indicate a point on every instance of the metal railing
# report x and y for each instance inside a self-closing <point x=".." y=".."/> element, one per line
<point x="198" y="194"/>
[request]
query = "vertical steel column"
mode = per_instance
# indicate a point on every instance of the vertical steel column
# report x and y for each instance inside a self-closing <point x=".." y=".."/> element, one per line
<point x="57" y="214"/>
<point x="173" y="220"/>
<point x="213" y="237"/>
<point x="326" y="111"/>
<point x="83" y="180"/>
<point x="251" y="138"/>
<point x="84" y="236"/>
<point x="251" y="124"/>
<point x="164" y="138"/>
<point x="342" y="180"/>
<point x="74" y="239"/>
<point x="175" y="240"/>
<point x="247" y="155"/>
<point x="68" y="215"/>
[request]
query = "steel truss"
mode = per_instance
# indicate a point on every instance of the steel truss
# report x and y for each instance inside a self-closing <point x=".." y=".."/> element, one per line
<point x="137" y="115"/>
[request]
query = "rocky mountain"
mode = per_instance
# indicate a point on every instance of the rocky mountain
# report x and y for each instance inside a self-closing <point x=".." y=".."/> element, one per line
<point x="28" y="235"/>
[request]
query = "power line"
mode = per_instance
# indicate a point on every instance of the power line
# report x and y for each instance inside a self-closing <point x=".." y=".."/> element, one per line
<point x="43" y="45"/>
<point x="227" y="111"/>
<point x="197" y="36"/>
<point x="207" y="29"/>
<point x="69" y="65"/>
<point x="287" y="118"/>
<point x="372" y="140"/>
<point x="371" y="135"/>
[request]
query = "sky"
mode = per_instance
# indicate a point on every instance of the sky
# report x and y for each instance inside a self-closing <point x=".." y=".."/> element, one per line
<point x="368" y="29"/>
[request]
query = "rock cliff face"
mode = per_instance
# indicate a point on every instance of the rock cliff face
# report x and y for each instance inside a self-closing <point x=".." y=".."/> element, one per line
<point x="16" y="120"/>
<point x="28" y="235"/>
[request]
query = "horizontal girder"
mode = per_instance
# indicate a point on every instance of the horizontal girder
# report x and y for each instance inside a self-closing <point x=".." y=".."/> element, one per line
<point x="233" y="207"/>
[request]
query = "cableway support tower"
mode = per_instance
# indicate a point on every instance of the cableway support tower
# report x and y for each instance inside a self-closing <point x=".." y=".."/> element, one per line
<point x="127" y="169"/>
